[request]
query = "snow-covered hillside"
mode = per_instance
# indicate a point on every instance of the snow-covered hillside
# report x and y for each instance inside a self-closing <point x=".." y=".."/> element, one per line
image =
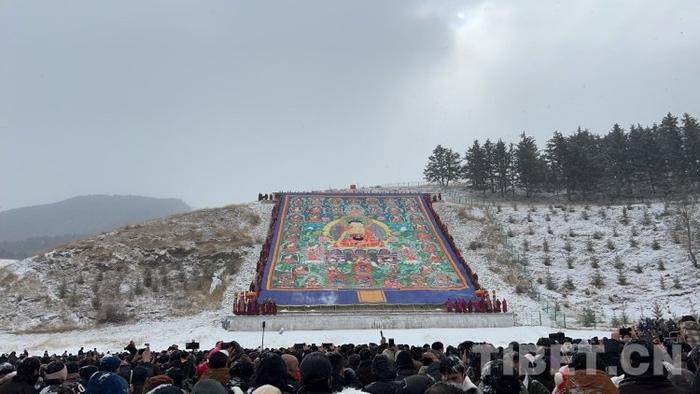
<point x="189" y="266"/>
<point x="176" y="266"/>
<point x="615" y="260"/>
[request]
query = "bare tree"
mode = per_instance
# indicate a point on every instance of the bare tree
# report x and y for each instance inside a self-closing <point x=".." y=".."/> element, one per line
<point x="687" y="210"/>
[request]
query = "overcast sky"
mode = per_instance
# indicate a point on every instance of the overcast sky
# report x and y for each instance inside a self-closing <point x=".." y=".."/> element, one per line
<point x="213" y="101"/>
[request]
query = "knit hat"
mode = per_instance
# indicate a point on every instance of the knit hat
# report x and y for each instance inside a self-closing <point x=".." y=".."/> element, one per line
<point x="208" y="386"/>
<point x="87" y="371"/>
<point x="110" y="363"/>
<point x="107" y="383"/>
<point x="56" y="371"/>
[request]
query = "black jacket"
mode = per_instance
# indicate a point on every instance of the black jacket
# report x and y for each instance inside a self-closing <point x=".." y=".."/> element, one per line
<point x="383" y="387"/>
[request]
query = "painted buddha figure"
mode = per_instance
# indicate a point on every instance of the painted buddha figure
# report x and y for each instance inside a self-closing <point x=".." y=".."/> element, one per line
<point x="357" y="235"/>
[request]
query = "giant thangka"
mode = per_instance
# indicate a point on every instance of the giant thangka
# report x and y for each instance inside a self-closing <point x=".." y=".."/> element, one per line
<point x="361" y="248"/>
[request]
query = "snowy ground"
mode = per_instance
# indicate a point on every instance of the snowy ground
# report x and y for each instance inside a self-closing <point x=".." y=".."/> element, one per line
<point x="206" y="329"/>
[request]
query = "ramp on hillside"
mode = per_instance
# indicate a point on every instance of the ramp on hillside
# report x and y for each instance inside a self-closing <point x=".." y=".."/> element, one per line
<point x="360" y="249"/>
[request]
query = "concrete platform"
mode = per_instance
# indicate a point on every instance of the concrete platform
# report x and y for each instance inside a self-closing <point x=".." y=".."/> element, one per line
<point x="367" y="320"/>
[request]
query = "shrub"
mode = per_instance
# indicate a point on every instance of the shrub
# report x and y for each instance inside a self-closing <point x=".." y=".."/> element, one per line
<point x="569" y="284"/>
<point x="597" y="280"/>
<point x="597" y="235"/>
<point x="549" y="230"/>
<point x="635" y="232"/>
<point x="625" y="218"/>
<point x="603" y="214"/>
<point x="547" y="218"/>
<point x="81" y="278"/>
<point x="615" y="233"/>
<point x="515" y="206"/>
<point x="566" y="218"/>
<point x="610" y="244"/>
<point x="595" y="263"/>
<point x="96" y="302"/>
<point x="587" y="317"/>
<point x="662" y="283"/>
<point x="615" y="322"/>
<point x="638" y="268"/>
<point x="617" y="263"/>
<point x="526" y="245"/>
<point x="621" y="277"/>
<point x="529" y="218"/>
<point x="511" y="219"/>
<point x="547" y="261"/>
<point x="148" y="278"/>
<point x="570" y="262"/>
<point x="568" y="247"/>
<point x="646" y="219"/>
<point x="662" y="266"/>
<point x="530" y="230"/>
<point x="589" y="246"/>
<point x="676" y="283"/>
<point x="545" y="246"/>
<point x="584" y="215"/>
<point x="656" y="311"/>
<point x="624" y="318"/>
<point x="656" y="245"/>
<point x="572" y="234"/>
<point x="62" y="288"/>
<point x="498" y="208"/>
<point x="549" y="282"/>
<point x="474" y="245"/>
<point x="510" y="233"/>
<point x="634" y="243"/>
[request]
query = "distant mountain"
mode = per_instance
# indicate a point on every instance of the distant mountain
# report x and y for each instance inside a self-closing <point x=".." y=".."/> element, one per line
<point x="30" y="230"/>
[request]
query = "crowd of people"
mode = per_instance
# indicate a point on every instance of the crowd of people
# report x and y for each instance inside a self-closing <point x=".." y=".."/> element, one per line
<point x="480" y="305"/>
<point x="267" y="197"/>
<point x="243" y="304"/>
<point x="627" y="362"/>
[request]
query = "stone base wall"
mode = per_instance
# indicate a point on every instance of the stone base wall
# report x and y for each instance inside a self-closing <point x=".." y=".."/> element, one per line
<point x="360" y="321"/>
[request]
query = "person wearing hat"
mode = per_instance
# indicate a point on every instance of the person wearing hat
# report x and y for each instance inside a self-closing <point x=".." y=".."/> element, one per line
<point x="55" y="376"/>
<point x="217" y="369"/>
<point x="25" y="379"/>
<point x="316" y="373"/>
<point x="106" y="380"/>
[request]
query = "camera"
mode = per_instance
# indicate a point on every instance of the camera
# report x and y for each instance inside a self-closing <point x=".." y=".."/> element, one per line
<point x="192" y="345"/>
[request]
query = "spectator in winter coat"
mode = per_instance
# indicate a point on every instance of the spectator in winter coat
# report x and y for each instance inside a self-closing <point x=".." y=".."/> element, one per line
<point x="404" y="365"/>
<point x="580" y="377"/>
<point x="645" y="373"/>
<point x="364" y="368"/>
<point x="497" y="378"/>
<point x="55" y="376"/>
<point x="293" y="371"/>
<point x="272" y="370"/>
<point x="384" y="372"/>
<point x="217" y="369"/>
<point x="25" y="379"/>
<point x="454" y="372"/>
<point x="316" y="374"/>
<point x="106" y="380"/>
